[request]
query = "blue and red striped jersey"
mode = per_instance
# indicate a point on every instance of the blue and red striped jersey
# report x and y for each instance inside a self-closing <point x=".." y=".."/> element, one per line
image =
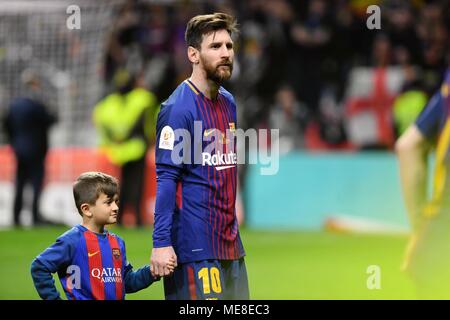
<point x="90" y="266"/>
<point x="196" y="165"/>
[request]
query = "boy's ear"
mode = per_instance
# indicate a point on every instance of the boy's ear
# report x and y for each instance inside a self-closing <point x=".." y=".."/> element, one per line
<point x="85" y="209"/>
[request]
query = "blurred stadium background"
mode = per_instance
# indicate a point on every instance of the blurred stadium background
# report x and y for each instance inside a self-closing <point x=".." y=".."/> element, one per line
<point x="339" y="93"/>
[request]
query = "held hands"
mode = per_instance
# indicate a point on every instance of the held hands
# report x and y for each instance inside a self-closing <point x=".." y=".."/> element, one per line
<point x="163" y="261"/>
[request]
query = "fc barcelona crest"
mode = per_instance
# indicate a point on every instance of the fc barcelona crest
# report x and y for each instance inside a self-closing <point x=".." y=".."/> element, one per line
<point x="116" y="253"/>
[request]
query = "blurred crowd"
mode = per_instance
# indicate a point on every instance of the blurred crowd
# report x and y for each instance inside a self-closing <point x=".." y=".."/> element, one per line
<point x="294" y="59"/>
<point x="311" y="68"/>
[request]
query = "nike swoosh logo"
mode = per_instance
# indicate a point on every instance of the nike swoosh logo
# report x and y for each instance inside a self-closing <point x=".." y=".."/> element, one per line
<point x="208" y="132"/>
<point x="223" y="168"/>
<point x="92" y="254"/>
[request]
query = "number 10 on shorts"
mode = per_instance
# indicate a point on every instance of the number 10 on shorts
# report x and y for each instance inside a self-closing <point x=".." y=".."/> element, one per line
<point x="211" y="280"/>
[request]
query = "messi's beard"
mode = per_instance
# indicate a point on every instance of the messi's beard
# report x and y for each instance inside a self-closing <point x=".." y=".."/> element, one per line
<point x="217" y="73"/>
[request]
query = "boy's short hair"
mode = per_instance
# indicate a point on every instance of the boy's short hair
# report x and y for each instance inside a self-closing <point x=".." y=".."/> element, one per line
<point x="89" y="185"/>
<point x="204" y="24"/>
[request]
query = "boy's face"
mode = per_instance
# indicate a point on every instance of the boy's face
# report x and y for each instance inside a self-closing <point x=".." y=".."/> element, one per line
<point x="105" y="210"/>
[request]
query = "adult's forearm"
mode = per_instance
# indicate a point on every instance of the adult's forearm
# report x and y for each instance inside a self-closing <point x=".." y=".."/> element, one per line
<point x="167" y="178"/>
<point x="414" y="176"/>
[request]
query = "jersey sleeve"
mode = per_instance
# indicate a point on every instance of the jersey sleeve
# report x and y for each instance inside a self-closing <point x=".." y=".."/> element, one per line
<point x="167" y="178"/>
<point x="50" y="261"/>
<point x="59" y="254"/>
<point x="43" y="281"/>
<point x="135" y="280"/>
<point x="429" y="120"/>
<point x="174" y="127"/>
<point x="173" y="130"/>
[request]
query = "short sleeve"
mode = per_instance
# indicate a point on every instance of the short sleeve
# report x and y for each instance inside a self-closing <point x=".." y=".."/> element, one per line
<point x="430" y="119"/>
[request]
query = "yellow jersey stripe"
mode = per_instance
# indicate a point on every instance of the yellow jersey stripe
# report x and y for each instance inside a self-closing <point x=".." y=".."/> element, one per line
<point x="440" y="172"/>
<point x="192" y="88"/>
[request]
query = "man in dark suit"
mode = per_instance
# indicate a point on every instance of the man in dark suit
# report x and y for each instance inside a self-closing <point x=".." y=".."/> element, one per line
<point x="27" y="123"/>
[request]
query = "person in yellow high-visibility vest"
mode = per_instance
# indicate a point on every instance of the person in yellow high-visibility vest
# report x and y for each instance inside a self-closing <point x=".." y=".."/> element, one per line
<point x="126" y="125"/>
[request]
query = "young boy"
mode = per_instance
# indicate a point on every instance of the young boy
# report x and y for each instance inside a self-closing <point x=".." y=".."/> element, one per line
<point x="90" y="261"/>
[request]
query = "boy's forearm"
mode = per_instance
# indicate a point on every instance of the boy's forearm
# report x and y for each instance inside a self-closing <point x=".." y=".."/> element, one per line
<point x="138" y="280"/>
<point x="43" y="281"/>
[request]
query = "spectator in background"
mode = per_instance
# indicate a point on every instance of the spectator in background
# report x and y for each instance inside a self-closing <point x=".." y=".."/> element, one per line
<point x="314" y="45"/>
<point x="433" y="33"/>
<point x="290" y="117"/>
<point x="263" y="42"/>
<point x="123" y="46"/>
<point x="381" y="55"/>
<point x="311" y="35"/>
<point x="125" y="121"/>
<point x="402" y="32"/>
<point x="27" y="124"/>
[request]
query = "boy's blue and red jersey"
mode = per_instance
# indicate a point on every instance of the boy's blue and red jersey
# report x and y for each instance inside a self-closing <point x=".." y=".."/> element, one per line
<point x="98" y="260"/>
<point x="195" y="203"/>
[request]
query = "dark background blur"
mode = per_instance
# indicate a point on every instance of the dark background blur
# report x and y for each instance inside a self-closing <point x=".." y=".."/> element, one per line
<point x="296" y="65"/>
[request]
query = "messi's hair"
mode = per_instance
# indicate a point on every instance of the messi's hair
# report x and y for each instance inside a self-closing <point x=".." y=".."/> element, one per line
<point x="89" y="185"/>
<point x="204" y="24"/>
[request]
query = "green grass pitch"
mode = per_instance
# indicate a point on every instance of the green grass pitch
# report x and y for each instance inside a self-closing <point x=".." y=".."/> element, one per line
<point x="280" y="265"/>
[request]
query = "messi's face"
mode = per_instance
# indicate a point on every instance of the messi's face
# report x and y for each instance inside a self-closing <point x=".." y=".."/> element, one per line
<point x="105" y="210"/>
<point x="216" y="55"/>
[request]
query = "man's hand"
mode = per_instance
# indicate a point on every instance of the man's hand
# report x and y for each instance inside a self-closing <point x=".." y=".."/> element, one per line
<point x="163" y="261"/>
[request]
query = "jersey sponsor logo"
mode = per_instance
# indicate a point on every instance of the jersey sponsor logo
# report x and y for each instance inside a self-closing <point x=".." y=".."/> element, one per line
<point x="211" y="147"/>
<point x="107" y="274"/>
<point x="220" y="160"/>
<point x="167" y="138"/>
<point x="215" y="153"/>
<point x="223" y="168"/>
<point x="91" y="254"/>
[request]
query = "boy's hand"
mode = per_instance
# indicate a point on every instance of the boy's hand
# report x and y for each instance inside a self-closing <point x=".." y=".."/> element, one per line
<point x="171" y="265"/>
